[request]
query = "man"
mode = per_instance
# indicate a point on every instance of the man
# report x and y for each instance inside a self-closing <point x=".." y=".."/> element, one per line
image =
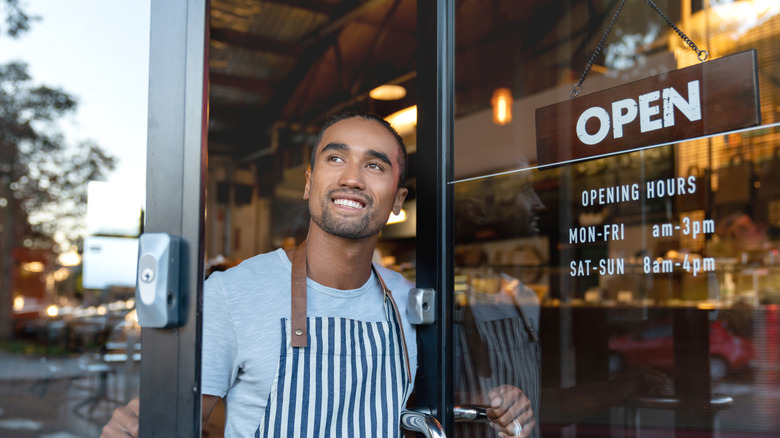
<point x="312" y="341"/>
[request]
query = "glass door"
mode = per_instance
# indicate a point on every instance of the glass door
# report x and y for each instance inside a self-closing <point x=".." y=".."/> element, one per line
<point x="73" y="87"/>
<point x="633" y="292"/>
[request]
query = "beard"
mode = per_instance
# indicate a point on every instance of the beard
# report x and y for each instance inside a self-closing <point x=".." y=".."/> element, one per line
<point x="349" y="228"/>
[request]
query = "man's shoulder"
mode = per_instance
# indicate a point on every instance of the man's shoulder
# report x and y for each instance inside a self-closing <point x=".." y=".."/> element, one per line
<point x="262" y="268"/>
<point x="390" y="276"/>
<point x="398" y="284"/>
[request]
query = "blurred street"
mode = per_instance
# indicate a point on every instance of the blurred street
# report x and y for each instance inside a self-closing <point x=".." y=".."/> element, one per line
<point x="64" y="397"/>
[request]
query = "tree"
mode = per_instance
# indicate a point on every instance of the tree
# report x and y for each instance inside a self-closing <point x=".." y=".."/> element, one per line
<point x="16" y="19"/>
<point x="43" y="178"/>
<point x="46" y="175"/>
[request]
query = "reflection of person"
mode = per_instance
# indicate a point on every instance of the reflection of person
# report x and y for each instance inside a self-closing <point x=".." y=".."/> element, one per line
<point x="336" y="355"/>
<point x="739" y="233"/>
<point x="497" y="348"/>
<point x="504" y="207"/>
<point x="498" y="319"/>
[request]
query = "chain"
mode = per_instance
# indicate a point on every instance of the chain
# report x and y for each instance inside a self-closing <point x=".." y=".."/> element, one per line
<point x="577" y="88"/>
<point x="702" y="54"/>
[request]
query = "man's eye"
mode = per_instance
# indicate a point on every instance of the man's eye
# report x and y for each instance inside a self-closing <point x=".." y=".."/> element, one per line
<point x="375" y="166"/>
<point x="335" y="159"/>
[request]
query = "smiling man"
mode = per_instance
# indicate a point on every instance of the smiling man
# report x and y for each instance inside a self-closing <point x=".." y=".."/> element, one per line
<point x="338" y="351"/>
<point x="315" y="341"/>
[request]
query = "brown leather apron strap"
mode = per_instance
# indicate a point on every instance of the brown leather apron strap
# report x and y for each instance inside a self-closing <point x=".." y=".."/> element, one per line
<point x="389" y="294"/>
<point x="298" y="303"/>
<point x="298" y="297"/>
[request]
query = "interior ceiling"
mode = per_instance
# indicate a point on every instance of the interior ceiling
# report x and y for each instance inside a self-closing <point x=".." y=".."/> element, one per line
<point x="290" y="63"/>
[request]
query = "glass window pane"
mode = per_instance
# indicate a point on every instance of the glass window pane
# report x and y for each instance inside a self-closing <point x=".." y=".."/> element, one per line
<point x="650" y="277"/>
<point x="73" y="99"/>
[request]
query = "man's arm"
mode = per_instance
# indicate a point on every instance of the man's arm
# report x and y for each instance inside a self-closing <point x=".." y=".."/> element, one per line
<point x="124" y="420"/>
<point x="208" y="402"/>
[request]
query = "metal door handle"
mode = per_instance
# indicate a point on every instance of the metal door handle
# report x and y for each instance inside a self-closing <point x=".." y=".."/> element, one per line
<point x="421" y="422"/>
<point x="470" y="414"/>
<point x="717" y="402"/>
<point x="430" y="427"/>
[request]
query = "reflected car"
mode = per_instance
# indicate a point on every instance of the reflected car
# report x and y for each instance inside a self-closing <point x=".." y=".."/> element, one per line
<point x="654" y="346"/>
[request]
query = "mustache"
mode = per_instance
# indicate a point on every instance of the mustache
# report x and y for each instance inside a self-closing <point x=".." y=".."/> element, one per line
<point x="353" y="193"/>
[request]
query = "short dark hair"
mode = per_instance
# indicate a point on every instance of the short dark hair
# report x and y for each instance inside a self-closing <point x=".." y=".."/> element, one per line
<point x="332" y="120"/>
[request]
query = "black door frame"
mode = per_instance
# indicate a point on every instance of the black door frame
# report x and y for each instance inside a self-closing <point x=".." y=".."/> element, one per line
<point x="435" y="119"/>
<point x="175" y="194"/>
<point x="176" y="166"/>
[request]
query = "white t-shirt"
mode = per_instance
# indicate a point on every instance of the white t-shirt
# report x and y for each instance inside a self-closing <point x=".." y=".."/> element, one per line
<point x="242" y="309"/>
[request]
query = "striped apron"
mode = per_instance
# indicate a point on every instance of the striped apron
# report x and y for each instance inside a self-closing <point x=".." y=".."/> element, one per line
<point x="349" y="378"/>
<point x="511" y="347"/>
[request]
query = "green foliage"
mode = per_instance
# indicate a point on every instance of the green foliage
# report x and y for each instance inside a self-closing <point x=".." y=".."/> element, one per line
<point x="46" y="177"/>
<point x="17" y="21"/>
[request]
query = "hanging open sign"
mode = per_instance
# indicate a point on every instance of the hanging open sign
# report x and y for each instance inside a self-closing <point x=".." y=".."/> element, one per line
<point x="707" y="98"/>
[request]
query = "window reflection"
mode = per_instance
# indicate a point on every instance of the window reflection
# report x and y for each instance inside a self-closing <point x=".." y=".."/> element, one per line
<point x="660" y="298"/>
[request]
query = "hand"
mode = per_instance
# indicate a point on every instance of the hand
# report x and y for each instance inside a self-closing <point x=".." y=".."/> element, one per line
<point x="510" y="412"/>
<point x="124" y="422"/>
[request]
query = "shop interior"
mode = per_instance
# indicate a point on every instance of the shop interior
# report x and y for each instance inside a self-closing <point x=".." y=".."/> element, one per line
<point x="278" y="69"/>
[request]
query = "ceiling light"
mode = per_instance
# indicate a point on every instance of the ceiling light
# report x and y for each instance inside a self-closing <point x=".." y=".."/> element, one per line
<point x="404" y="121"/>
<point x="502" y="106"/>
<point x="388" y="92"/>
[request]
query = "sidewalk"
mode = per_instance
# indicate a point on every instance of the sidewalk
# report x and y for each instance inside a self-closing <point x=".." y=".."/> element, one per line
<point x="70" y="397"/>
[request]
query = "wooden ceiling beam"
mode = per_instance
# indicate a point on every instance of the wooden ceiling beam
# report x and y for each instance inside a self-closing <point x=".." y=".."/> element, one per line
<point x="256" y="43"/>
<point x="255" y="85"/>
<point x="345" y="12"/>
<point x="316" y="44"/>
<point x="378" y="38"/>
<point x="343" y="99"/>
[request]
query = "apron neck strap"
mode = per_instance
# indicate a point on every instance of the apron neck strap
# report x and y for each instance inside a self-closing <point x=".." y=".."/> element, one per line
<point x="298" y="303"/>
<point x="298" y="299"/>
<point x="385" y="290"/>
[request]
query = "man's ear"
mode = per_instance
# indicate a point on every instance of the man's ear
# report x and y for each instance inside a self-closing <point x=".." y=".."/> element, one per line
<point x="400" y="196"/>
<point x="308" y="184"/>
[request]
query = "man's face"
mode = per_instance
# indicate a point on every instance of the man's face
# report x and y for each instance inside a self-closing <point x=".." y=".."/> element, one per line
<point x="529" y="205"/>
<point x="354" y="184"/>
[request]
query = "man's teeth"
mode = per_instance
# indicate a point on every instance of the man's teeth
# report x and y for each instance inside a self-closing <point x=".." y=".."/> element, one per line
<point x="348" y="203"/>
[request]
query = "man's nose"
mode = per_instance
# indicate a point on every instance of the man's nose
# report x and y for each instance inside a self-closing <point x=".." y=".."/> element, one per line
<point x="352" y="177"/>
<point x="536" y="201"/>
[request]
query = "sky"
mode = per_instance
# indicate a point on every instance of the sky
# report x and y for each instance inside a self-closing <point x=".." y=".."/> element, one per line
<point x="97" y="51"/>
